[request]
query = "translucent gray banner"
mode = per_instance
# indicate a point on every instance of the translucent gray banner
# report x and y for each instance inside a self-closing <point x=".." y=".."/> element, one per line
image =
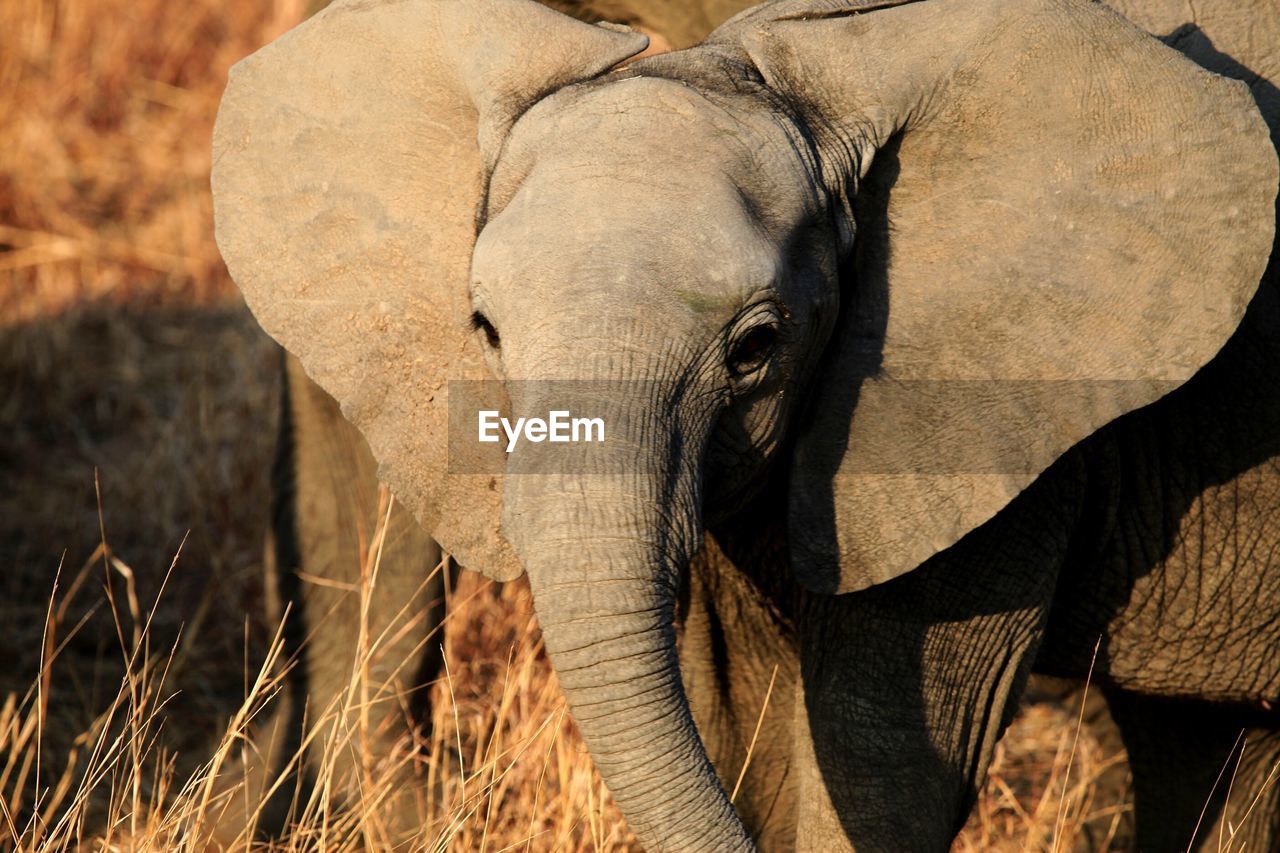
<point x="880" y="427"/>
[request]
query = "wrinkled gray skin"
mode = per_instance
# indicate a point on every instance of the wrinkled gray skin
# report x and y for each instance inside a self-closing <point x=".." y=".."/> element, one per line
<point x="887" y="701"/>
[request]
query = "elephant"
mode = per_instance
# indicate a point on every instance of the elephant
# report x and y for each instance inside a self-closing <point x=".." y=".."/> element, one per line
<point x="936" y="341"/>
<point x="326" y="510"/>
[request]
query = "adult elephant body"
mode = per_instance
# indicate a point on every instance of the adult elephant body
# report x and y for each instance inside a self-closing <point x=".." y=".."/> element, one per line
<point x="956" y="366"/>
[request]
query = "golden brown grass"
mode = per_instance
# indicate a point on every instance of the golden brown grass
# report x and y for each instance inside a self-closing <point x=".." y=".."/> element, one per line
<point x="136" y="424"/>
<point x="107" y="106"/>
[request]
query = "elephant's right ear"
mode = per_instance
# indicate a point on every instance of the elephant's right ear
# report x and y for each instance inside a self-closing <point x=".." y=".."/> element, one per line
<point x="1059" y="220"/>
<point x="349" y="159"/>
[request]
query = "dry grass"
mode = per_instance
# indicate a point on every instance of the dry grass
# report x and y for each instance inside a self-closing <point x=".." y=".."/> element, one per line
<point x="1053" y="786"/>
<point x="107" y="108"/>
<point x="137" y="429"/>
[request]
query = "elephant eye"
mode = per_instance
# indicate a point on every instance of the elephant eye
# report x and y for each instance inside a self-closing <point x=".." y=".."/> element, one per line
<point x="481" y="323"/>
<point x="752" y="350"/>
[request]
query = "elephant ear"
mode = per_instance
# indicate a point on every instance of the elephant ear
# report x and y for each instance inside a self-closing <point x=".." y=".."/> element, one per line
<point x="350" y="157"/>
<point x="1058" y="220"/>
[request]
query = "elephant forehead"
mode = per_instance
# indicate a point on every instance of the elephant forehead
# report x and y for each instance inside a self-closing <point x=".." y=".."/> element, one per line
<point x="585" y="235"/>
<point x="620" y="112"/>
<point x="664" y="130"/>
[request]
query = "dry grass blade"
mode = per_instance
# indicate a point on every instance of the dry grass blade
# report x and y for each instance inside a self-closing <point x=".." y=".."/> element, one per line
<point x="1195" y="832"/>
<point x="746" y="762"/>
<point x="1075" y="741"/>
<point x="1257" y="797"/>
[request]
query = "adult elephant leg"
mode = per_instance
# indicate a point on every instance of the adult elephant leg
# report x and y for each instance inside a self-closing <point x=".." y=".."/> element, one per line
<point x="908" y="685"/>
<point x="366" y="593"/>
<point x="1204" y="777"/>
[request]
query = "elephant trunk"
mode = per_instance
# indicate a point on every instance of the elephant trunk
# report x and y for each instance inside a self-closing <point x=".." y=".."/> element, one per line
<point x="604" y="553"/>
<point x="619" y="672"/>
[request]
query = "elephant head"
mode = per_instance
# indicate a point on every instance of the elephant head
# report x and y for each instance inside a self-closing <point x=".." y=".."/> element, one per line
<point x="879" y="246"/>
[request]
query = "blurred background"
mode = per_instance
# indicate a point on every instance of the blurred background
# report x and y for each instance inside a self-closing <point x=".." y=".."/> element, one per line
<point x="137" y="423"/>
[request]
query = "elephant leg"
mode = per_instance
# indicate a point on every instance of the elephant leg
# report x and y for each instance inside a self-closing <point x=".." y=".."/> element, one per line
<point x="908" y="685"/>
<point x="739" y="665"/>
<point x="366" y="589"/>
<point x="1203" y="776"/>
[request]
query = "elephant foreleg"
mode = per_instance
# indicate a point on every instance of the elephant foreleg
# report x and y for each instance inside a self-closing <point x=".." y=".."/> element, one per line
<point x="908" y="685"/>
<point x="1204" y="776"/>
<point x="739" y="664"/>
<point x="366" y="592"/>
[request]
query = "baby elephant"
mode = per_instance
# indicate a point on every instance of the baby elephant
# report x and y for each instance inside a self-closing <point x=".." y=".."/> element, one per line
<point x="933" y="343"/>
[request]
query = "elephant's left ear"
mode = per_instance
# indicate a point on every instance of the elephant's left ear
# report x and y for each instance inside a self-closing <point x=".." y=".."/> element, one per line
<point x="350" y="158"/>
<point x="1059" y="220"/>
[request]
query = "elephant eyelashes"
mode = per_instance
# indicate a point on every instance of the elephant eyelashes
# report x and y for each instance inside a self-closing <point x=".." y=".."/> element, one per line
<point x="481" y="323"/>
<point x="752" y="350"/>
